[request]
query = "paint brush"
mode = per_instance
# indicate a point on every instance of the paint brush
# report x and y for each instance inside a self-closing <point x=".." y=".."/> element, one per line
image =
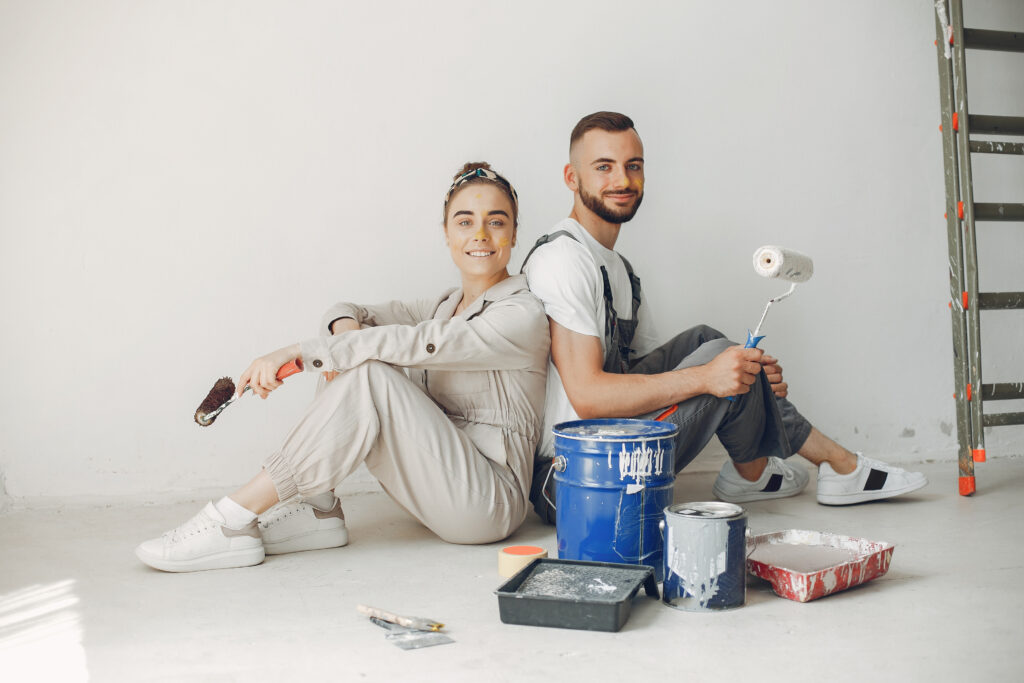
<point x="418" y="623"/>
<point x="223" y="394"/>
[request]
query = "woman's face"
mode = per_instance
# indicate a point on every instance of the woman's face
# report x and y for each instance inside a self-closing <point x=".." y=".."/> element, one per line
<point x="480" y="231"/>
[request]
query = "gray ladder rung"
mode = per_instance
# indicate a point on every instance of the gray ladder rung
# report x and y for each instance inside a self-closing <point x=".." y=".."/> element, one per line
<point x="993" y="147"/>
<point x="996" y="125"/>
<point x="1003" y="41"/>
<point x="1003" y="419"/>
<point x="1002" y="391"/>
<point x="996" y="301"/>
<point x="998" y="212"/>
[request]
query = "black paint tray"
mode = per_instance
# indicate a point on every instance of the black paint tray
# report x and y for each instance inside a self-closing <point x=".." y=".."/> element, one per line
<point x="593" y="596"/>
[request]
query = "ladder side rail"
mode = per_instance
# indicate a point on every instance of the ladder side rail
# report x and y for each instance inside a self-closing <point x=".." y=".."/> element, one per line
<point x="954" y="240"/>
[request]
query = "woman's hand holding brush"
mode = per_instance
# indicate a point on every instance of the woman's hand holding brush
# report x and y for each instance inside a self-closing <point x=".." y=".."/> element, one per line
<point x="262" y="373"/>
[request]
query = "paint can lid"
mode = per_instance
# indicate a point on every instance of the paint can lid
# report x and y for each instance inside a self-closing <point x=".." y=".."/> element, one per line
<point x="611" y="429"/>
<point x="706" y="510"/>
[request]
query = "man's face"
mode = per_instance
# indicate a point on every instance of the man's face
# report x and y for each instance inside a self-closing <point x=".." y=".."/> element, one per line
<point x="608" y="169"/>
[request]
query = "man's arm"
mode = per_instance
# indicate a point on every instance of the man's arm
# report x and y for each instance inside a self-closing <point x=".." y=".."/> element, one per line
<point x="595" y="393"/>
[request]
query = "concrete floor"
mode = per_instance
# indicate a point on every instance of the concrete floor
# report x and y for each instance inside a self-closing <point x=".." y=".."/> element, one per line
<point x="75" y="604"/>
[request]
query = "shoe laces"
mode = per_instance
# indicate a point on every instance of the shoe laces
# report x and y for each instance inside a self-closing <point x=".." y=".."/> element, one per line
<point x="281" y="512"/>
<point x="777" y="466"/>
<point x="196" y="525"/>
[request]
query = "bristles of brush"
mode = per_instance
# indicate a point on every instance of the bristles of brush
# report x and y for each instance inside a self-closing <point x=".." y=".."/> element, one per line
<point x="220" y="394"/>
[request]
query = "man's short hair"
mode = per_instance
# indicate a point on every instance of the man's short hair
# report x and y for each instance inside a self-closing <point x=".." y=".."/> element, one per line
<point x="603" y="120"/>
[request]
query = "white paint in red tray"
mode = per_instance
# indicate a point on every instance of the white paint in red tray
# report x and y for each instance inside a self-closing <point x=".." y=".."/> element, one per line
<point x="805" y="565"/>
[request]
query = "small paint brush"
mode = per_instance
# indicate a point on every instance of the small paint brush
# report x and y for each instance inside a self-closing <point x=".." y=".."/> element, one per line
<point x="409" y="622"/>
<point x="223" y="394"/>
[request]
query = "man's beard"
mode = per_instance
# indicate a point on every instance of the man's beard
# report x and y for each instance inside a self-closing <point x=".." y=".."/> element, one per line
<point x="595" y="204"/>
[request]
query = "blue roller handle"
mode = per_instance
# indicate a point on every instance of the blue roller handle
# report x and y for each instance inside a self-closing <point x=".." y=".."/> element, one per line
<point x="752" y="343"/>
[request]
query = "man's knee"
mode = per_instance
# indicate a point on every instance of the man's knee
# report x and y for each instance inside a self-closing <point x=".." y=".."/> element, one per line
<point x="706" y="352"/>
<point x="705" y="333"/>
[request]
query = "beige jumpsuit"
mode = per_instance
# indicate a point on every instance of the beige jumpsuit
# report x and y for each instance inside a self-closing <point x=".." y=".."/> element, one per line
<point x="444" y="410"/>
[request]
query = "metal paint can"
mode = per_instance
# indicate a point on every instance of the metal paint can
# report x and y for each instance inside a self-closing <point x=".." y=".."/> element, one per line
<point x="614" y="478"/>
<point x="705" y="556"/>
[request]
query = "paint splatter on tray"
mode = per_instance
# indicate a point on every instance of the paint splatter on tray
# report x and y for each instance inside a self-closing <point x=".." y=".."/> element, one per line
<point x="579" y="583"/>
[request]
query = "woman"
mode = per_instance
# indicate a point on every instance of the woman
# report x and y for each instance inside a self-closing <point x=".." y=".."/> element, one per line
<point x="442" y="399"/>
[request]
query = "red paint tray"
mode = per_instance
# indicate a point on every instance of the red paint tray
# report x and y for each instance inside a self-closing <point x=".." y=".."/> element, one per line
<point x="806" y="565"/>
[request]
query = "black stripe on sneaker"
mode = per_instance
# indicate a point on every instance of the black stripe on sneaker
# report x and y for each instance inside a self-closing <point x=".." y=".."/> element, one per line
<point x="876" y="480"/>
<point x="774" y="484"/>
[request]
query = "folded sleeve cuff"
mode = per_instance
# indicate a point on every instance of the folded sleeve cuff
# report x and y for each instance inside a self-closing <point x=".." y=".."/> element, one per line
<point x="316" y="354"/>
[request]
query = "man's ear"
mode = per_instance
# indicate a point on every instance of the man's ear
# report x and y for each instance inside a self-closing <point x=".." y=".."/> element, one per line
<point x="569" y="176"/>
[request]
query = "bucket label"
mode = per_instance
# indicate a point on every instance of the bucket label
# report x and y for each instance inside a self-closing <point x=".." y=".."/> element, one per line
<point x="640" y="462"/>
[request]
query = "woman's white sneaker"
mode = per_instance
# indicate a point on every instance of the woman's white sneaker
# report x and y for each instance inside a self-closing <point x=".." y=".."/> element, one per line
<point x="779" y="480"/>
<point x="203" y="542"/>
<point x="298" y="526"/>
<point x="872" y="480"/>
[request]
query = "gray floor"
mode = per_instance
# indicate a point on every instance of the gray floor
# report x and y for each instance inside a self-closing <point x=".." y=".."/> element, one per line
<point x="76" y="604"/>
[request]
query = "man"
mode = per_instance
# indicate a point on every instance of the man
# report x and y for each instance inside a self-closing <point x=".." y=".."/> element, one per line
<point x="605" y="361"/>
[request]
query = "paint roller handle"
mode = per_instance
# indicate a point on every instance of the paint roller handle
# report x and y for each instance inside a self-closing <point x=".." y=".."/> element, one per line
<point x="752" y="343"/>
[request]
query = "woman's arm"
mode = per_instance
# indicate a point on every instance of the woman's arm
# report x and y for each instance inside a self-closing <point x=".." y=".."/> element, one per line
<point x="509" y="334"/>
<point x="388" y="313"/>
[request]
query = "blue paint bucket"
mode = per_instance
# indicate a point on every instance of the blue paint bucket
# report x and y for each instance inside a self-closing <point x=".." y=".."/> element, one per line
<point x="614" y="479"/>
<point x="705" y="556"/>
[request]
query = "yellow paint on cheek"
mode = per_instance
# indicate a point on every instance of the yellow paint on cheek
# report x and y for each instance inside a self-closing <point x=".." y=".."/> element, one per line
<point x="503" y="242"/>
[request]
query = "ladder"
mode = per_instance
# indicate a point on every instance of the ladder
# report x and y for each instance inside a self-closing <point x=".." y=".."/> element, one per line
<point x="962" y="214"/>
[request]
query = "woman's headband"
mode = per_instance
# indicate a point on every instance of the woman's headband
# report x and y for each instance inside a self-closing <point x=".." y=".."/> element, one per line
<point x="486" y="174"/>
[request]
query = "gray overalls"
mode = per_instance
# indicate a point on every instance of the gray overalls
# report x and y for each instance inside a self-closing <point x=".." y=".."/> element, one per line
<point x="755" y="425"/>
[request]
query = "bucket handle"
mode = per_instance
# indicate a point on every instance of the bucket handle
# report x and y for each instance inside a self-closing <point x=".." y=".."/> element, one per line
<point x="748" y="536"/>
<point x="557" y="464"/>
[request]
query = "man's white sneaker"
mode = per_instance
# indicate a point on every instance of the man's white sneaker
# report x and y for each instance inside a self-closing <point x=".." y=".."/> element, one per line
<point x="292" y="527"/>
<point x="872" y="480"/>
<point x="779" y="480"/>
<point x="203" y="542"/>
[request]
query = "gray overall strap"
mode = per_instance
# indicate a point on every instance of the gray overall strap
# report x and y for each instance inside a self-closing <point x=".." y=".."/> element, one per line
<point x="618" y="333"/>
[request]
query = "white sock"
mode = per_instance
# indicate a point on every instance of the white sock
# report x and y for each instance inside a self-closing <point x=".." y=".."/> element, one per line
<point x="235" y="516"/>
<point x="321" y="501"/>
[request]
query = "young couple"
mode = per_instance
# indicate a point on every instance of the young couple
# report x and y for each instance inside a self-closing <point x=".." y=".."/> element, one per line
<point x="446" y="400"/>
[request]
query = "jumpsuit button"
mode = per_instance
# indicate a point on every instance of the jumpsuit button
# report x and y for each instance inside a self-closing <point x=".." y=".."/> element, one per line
<point x="318" y="363"/>
<point x="430" y="348"/>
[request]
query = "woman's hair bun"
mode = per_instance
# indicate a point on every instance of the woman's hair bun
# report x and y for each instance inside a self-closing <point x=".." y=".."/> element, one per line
<point x="471" y="166"/>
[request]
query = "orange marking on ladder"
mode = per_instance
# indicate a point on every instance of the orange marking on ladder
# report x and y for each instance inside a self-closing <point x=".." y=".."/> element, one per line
<point x="978" y="454"/>
<point x="965" y="301"/>
<point x="968" y="392"/>
<point x="956" y="121"/>
<point x="950" y="305"/>
<point x="967" y="486"/>
<point x="960" y="210"/>
<point x="945" y="215"/>
<point x="940" y="127"/>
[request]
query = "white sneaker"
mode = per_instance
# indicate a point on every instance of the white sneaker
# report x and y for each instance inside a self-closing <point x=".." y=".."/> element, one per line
<point x="292" y="527"/>
<point x="203" y="542"/>
<point x="779" y="480"/>
<point x="872" y="480"/>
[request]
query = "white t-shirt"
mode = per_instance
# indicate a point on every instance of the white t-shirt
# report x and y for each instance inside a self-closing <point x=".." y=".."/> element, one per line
<point x="565" y="274"/>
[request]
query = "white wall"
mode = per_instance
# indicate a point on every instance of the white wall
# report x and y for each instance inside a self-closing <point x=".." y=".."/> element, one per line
<point x="184" y="186"/>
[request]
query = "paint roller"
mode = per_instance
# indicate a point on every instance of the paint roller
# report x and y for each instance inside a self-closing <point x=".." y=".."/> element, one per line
<point x="783" y="264"/>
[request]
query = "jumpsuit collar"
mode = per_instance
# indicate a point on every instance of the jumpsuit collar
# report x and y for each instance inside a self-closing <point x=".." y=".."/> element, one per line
<point x="507" y="287"/>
